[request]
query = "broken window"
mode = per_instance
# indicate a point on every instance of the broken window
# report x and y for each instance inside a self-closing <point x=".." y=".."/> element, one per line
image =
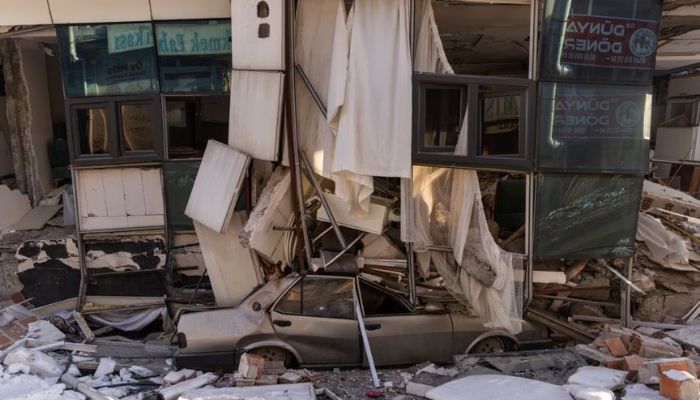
<point x="473" y="121"/>
<point x="194" y="56"/>
<point x="115" y="129"/>
<point x="107" y="59"/>
<point x="600" y="40"/>
<point x="379" y="302"/>
<point x="92" y="128"/>
<point x="192" y="121"/>
<point x="179" y="179"/>
<point x="593" y="128"/>
<point x="320" y="297"/>
<point x="586" y="216"/>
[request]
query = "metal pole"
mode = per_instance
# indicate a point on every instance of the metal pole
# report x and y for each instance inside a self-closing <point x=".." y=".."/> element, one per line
<point x="365" y="341"/>
<point x="626" y="297"/>
<point x="324" y="201"/>
<point x="292" y="131"/>
<point x="411" y="274"/>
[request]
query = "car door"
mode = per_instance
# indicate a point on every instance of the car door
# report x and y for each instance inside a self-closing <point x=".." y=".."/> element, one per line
<point x="398" y="335"/>
<point x="316" y="316"/>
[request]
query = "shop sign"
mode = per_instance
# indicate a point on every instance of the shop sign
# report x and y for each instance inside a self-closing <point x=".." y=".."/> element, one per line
<point x="610" y="42"/>
<point x="595" y="115"/>
<point x="174" y="40"/>
<point x="129" y="37"/>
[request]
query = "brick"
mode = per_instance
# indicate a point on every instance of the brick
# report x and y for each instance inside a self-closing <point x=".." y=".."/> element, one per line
<point x="4" y="342"/>
<point x="17" y="297"/>
<point x="649" y="371"/>
<point x="616" y="346"/>
<point x="679" y="385"/>
<point x="680" y="364"/>
<point x="251" y="366"/>
<point x="633" y="362"/>
<point x="614" y="363"/>
<point x="654" y="348"/>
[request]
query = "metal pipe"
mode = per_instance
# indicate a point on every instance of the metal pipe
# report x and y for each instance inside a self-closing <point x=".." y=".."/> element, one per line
<point x="345" y="249"/>
<point x="293" y="130"/>
<point x="83" y="388"/>
<point x="413" y="295"/>
<point x="365" y="341"/>
<point x="324" y="201"/>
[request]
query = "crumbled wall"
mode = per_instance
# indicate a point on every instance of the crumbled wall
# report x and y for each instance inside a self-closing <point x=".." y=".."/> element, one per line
<point x="28" y="112"/>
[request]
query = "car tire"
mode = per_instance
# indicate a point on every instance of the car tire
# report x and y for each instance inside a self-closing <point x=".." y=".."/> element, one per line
<point x="493" y="344"/>
<point x="271" y="353"/>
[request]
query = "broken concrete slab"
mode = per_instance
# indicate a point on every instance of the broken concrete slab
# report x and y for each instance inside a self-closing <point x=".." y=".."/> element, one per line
<point x="36" y="218"/>
<point x="14" y="206"/>
<point x="299" y="391"/>
<point x="497" y="387"/>
<point x="39" y="363"/>
<point x="689" y="336"/>
<point x="607" y="378"/>
<point x="639" y="391"/>
<point x="579" y="392"/>
<point x="232" y="271"/>
<point x="274" y="209"/>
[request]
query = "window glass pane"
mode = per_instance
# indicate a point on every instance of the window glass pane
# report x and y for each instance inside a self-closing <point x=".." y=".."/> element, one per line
<point x="500" y="120"/>
<point x="586" y="216"/>
<point x="92" y="130"/>
<point x="329" y="298"/>
<point x="192" y="121"/>
<point x="194" y="56"/>
<point x="291" y="302"/>
<point x="680" y="113"/>
<point x="600" y="40"/>
<point x="586" y="127"/>
<point x="379" y="302"/>
<point x="137" y="126"/>
<point x="443" y="118"/>
<point x="107" y="59"/>
<point x="179" y="178"/>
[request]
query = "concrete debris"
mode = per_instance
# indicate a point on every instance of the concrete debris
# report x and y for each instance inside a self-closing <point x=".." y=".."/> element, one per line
<point x="679" y="385"/>
<point x="301" y="391"/>
<point x="599" y="377"/>
<point x="44" y="331"/>
<point x="481" y="387"/>
<point x="39" y="363"/>
<point x="640" y="391"/>
<point x="579" y="392"/>
<point x="14" y="206"/>
<point x="105" y="367"/>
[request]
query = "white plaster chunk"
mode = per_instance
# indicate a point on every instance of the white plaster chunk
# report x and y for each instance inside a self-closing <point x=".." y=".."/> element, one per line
<point x="39" y="363"/>
<point x="599" y="377"/>
<point x="105" y="367"/>
<point x="14" y="206"/>
<point x="497" y="387"/>
<point x="579" y="392"/>
<point x="45" y="332"/>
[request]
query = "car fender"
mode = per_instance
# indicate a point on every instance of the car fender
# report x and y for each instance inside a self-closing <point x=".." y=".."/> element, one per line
<point x="275" y="343"/>
<point x="485" y="335"/>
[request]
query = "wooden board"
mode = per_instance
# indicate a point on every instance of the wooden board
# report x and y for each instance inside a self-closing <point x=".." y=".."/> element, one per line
<point x="118" y="198"/>
<point x="217" y="186"/>
<point x="256" y="113"/>
<point x="251" y="51"/>
<point x="232" y="272"/>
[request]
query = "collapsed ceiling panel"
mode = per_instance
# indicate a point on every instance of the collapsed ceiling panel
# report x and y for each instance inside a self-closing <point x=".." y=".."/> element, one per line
<point x="484" y="39"/>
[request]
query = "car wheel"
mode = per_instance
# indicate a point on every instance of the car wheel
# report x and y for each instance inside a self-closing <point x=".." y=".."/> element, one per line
<point x="274" y="354"/>
<point x="492" y="344"/>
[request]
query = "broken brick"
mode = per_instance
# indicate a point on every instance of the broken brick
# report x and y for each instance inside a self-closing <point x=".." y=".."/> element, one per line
<point x="633" y="362"/>
<point x="679" y="385"/>
<point x="616" y="346"/>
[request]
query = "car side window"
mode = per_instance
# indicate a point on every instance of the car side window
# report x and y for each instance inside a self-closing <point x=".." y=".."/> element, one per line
<point x="379" y="302"/>
<point x="319" y="297"/>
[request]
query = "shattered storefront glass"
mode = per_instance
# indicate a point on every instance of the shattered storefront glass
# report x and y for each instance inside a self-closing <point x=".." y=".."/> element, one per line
<point x="593" y="128"/>
<point x="586" y="216"/>
<point x="600" y="40"/>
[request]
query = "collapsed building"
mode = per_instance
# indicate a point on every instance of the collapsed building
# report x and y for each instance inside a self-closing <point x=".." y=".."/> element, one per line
<point x="484" y="160"/>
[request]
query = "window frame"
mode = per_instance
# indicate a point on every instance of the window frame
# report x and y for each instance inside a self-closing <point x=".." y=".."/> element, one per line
<point x="360" y="281"/>
<point x="117" y="153"/>
<point x="523" y="161"/>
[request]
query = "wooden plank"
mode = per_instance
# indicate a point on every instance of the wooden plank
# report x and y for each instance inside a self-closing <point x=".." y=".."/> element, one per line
<point x="153" y="191"/>
<point x="217" y="186"/>
<point x="254" y="52"/>
<point x="133" y="191"/>
<point x="114" y="192"/>
<point x="256" y="113"/>
<point x="92" y="194"/>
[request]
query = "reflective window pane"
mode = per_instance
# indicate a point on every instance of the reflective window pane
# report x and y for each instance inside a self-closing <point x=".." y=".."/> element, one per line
<point x="137" y="126"/>
<point x="600" y="40"/>
<point x="586" y="216"/>
<point x="112" y="59"/>
<point x="290" y="303"/>
<point x="194" y="56"/>
<point x="192" y="121"/>
<point x="500" y="120"/>
<point x="179" y="179"/>
<point x="588" y="128"/>
<point x="443" y="118"/>
<point x="92" y="130"/>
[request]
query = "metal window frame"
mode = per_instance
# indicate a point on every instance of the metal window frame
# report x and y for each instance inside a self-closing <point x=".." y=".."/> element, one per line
<point x="523" y="161"/>
<point x="117" y="153"/>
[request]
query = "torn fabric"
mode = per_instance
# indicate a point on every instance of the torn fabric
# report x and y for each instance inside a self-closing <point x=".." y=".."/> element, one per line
<point x="477" y="272"/>
<point x="374" y="117"/>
